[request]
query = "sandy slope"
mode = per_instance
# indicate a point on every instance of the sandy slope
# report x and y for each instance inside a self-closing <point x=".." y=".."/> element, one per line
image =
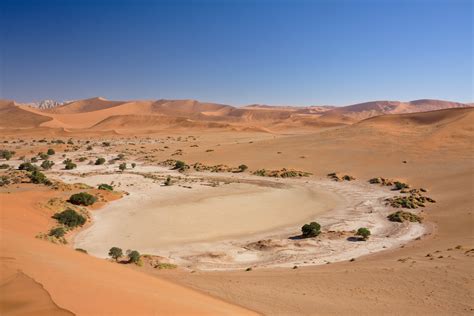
<point x="79" y="283"/>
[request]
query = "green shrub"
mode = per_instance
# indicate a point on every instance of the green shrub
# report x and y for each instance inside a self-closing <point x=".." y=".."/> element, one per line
<point x="70" y="165"/>
<point x="6" y="154"/>
<point x="312" y="229"/>
<point x="4" y="181"/>
<point x="47" y="164"/>
<point x="242" y="168"/>
<point x="51" y="151"/>
<point x="179" y="165"/>
<point x="400" y="185"/>
<point x="401" y="216"/>
<point x="123" y="166"/>
<point x="82" y="198"/>
<point x="57" y="232"/>
<point x="106" y="187"/>
<point x="363" y="232"/>
<point x="100" y="161"/>
<point x="133" y="256"/>
<point x="34" y="159"/>
<point x="43" y="156"/>
<point x="70" y="218"/>
<point x="115" y="253"/>
<point x="38" y="177"/>
<point x="161" y="266"/>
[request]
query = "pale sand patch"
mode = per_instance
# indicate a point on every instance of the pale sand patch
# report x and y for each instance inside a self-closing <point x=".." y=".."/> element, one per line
<point x="209" y="228"/>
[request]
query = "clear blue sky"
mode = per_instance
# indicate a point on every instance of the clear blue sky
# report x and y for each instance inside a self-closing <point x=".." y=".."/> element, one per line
<point x="237" y="52"/>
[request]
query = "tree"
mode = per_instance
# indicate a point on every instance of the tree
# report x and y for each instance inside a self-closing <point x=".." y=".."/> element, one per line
<point x="133" y="256"/>
<point x="123" y="166"/>
<point x="70" y="218"/>
<point x="312" y="229"/>
<point x="82" y="198"/>
<point x="363" y="232"/>
<point x="100" y="161"/>
<point x="115" y="253"/>
<point x="51" y="151"/>
<point x="57" y="232"/>
<point x="47" y="164"/>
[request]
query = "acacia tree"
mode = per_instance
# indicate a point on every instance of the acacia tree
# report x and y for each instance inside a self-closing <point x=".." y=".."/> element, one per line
<point x="115" y="253"/>
<point x="363" y="232"/>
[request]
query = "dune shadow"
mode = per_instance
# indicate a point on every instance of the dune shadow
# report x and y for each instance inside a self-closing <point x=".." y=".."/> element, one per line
<point x="355" y="239"/>
<point x="297" y="237"/>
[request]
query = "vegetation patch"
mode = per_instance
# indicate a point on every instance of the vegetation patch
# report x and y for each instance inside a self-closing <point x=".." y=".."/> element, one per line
<point x="70" y="218"/>
<point x="106" y="187"/>
<point x="401" y="216"/>
<point x="312" y="229"/>
<point x="82" y="198"/>
<point x="282" y="173"/>
<point x="336" y="177"/>
<point x="38" y="177"/>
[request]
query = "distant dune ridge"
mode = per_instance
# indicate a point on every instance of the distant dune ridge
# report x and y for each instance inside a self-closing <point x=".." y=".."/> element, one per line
<point x="99" y="114"/>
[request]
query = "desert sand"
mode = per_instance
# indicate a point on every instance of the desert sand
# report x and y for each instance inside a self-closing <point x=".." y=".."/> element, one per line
<point x="429" y="273"/>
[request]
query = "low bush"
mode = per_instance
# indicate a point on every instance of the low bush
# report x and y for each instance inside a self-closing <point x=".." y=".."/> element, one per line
<point x="167" y="181"/>
<point x="70" y="165"/>
<point x="38" y="177"/>
<point x="57" y="232"/>
<point x="122" y="166"/>
<point x="43" y="156"/>
<point x="100" y="161"/>
<point x="312" y="229"/>
<point x="82" y="198"/>
<point x="363" y="232"/>
<point x="180" y="165"/>
<point x="47" y="164"/>
<point x="6" y="154"/>
<point x="4" y="166"/>
<point x="242" y="168"/>
<point x="401" y="216"/>
<point x="51" y="151"/>
<point x="70" y="218"/>
<point x="400" y="185"/>
<point x="106" y="187"/>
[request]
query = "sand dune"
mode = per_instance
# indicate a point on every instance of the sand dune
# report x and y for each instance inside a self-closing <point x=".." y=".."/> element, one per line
<point x="100" y="114"/>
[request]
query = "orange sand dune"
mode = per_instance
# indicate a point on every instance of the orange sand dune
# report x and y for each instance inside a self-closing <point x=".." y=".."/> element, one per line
<point x="77" y="282"/>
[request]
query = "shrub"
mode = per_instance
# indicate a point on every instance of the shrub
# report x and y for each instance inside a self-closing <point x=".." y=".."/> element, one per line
<point x="50" y="151"/>
<point x="70" y="165"/>
<point x="115" y="253"/>
<point x="242" y="168"/>
<point x="134" y="165"/>
<point x="363" y="232"/>
<point x="179" y="165"/>
<point x="57" y="232"/>
<point x="163" y="265"/>
<point x="34" y="159"/>
<point x="4" y="166"/>
<point x="120" y="156"/>
<point x="82" y="159"/>
<point x="89" y="148"/>
<point x="100" y="161"/>
<point x="401" y="216"/>
<point x="47" y="164"/>
<point x="6" y="154"/>
<point x="123" y="166"/>
<point x="38" y="177"/>
<point x="106" y="144"/>
<point x="133" y="256"/>
<point x="43" y="156"/>
<point x="70" y="218"/>
<point x="400" y="185"/>
<point x="4" y="181"/>
<point x="312" y="229"/>
<point x="167" y="181"/>
<point x="106" y="187"/>
<point x="82" y="198"/>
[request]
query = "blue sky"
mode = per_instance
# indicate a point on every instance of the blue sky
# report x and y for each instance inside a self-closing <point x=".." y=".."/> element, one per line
<point x="237" y="52"/>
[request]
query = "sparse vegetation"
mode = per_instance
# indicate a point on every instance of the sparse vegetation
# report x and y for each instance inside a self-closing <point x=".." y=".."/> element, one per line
<point x="70" y="218"/>
<point x="82" y="198"/>
<point x="282" y="173"/>
<point x="363" y="232"/>
<point x="162" y="265"/>
<point x="401" y="216"/>
<point x="312" y="229"/>
<point x="106" y="187"/>
<point x="400" y="185"/>
<point x="6" y="154"/>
